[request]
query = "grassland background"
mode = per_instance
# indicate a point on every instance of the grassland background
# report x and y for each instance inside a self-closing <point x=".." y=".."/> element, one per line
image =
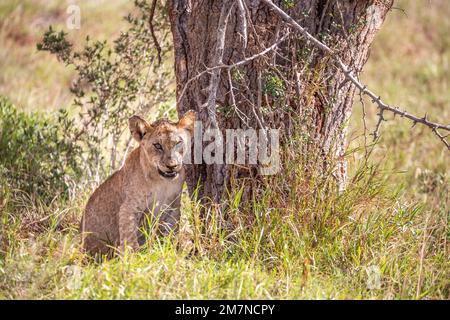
<point x="409" y="66"/>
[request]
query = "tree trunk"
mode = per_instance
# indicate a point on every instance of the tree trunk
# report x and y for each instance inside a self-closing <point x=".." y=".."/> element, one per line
<point x="294" y="87"/>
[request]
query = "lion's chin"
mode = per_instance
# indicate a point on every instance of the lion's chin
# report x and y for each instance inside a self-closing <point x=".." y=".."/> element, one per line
<point x="168" y="174"/>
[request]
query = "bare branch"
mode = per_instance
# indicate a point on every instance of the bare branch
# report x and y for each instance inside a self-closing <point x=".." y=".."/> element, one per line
<point x="239" y="113"/>
<point x="376" y="132"/>
<point x="152" y="31"/>
<point x="324" y="11"/>
<point x="363" y="89"/>
<point x="230" y="66"/>
<point x="242" y="18"/>
<point x="364" y="114"/>
<point x="443" y="138"/>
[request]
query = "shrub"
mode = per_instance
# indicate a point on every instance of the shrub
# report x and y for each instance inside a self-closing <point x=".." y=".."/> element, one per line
<point x="35" y="155"/>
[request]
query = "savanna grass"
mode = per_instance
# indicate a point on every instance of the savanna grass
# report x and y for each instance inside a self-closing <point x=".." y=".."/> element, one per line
<point x="296" y="242"/>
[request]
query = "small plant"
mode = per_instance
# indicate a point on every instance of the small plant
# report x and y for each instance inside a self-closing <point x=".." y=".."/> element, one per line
<point x="288" y="4"/>
<point x="274" y="86"/>
<point x="237" y="75"/>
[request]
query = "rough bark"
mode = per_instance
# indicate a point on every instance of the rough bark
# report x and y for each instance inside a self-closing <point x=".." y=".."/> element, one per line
<point x="315" y="99"/>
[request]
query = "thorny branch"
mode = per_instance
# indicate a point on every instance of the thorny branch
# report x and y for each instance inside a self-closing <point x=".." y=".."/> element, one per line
<point x="363" y="106"/>
<point x="382" y="106"/>
<point x="363" y="89"/>
<point x="217" y="65"/>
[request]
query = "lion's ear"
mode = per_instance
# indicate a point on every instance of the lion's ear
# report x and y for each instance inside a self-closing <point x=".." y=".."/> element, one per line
<point x="187" y="121"/>
<point x="138" y="127"/>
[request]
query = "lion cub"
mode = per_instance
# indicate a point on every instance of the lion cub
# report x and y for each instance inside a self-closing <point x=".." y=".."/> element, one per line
<point x="149" y="182"/>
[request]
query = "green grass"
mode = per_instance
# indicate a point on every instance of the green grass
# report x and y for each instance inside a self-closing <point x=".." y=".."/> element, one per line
<point x="394" y="215"/>
<point x="312" y="246"/>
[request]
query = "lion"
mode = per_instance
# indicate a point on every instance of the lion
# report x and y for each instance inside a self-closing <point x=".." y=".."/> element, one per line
<point x="148" y="184"/>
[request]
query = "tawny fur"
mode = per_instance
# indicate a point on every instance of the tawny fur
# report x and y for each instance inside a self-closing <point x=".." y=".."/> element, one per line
<point x="116" y="211"/>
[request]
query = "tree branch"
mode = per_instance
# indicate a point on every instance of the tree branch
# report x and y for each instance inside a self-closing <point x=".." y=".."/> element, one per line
<point x="230" y="66"/>
<point x="152" y="31"/>
<point x="382" y="106"/>
<point x="242" y="23"/>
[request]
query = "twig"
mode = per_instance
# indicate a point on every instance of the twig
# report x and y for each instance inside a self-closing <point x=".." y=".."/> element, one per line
<point x="363" y="106"/>
<point x="234" y="65"/>
<point x="239" y="113"/>
<point x="152" y="30"/>
<point x="324" y="11"/>
<point x="243" y="22"/>
<point x="376" y="132"/>
<point x="434" y="126"/>
<point x="443" y="138"/>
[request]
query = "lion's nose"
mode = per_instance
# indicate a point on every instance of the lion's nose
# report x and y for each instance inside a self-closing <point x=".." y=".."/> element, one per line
<point x="171" y="167"/>
<point x="172" y="164"/>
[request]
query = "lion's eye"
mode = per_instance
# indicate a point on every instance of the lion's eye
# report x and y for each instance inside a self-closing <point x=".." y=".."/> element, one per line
<point x="158" y="146"/>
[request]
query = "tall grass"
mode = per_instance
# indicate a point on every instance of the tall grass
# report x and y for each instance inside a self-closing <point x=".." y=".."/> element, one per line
<point x="297" y="241"/>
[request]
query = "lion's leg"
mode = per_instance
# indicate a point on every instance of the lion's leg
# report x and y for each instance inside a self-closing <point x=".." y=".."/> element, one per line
<point x="96" y="247"/>
<point x="128" y="227"/>
<point x="170" y="219"/>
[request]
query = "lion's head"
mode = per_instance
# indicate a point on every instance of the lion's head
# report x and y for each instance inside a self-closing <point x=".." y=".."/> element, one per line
<point x="163" y="143"/>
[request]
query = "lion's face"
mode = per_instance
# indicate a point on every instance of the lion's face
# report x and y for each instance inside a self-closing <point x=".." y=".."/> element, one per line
<point x="164" y="149"/>
<point x="163" y="144"/>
